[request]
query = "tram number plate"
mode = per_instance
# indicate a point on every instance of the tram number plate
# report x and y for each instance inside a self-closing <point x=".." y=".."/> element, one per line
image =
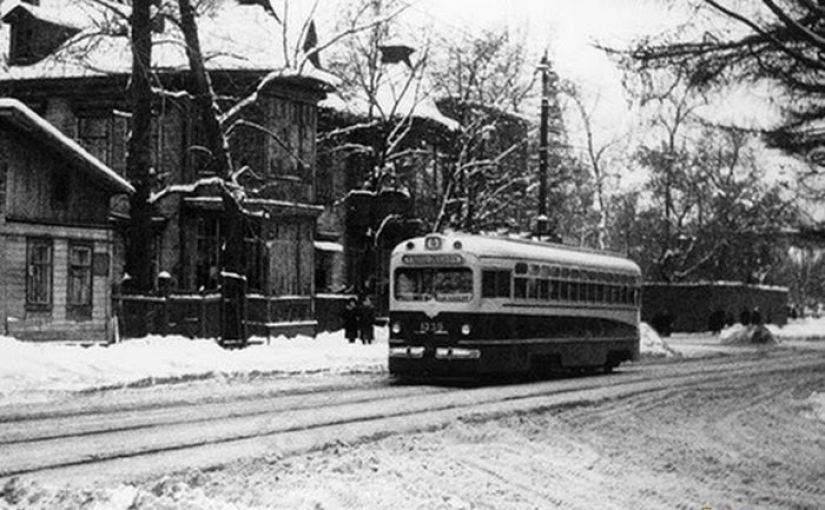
<point x="431" y="327"/>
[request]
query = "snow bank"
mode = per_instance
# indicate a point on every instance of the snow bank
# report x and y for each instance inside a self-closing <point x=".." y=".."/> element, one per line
<point x="28" y="368"/>
<point x="35" y="371"/>
<point x="747" y="335"/>
<point x="652" y="344"/>
<point x="808" y="329"/>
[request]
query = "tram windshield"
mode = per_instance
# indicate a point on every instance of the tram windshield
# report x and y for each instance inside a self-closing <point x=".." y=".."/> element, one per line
<point x="441" y="284"/>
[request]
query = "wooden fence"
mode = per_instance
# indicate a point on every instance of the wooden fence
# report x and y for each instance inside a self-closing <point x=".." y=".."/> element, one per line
<point x="203" y="315"/>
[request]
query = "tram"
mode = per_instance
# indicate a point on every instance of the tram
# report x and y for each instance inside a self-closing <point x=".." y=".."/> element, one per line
<point x="469" y="305"/>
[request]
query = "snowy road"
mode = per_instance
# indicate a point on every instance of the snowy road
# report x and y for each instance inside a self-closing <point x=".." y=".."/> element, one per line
<point x="111" y="440"/>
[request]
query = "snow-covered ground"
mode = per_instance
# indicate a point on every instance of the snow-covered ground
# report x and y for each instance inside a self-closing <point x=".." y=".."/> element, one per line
<point x="31" y="372"/>
<point x="645" y="452"/>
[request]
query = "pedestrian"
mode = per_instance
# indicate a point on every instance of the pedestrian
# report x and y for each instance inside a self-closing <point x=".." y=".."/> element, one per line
<point x="351" y="320"/>
<point x="367" y="320"/>
<point x="717" y="321"/>
<point x="756" y="317"/>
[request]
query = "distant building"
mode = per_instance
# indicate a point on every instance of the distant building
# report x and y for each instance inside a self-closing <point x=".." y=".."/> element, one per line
<point x="56" y="238"/>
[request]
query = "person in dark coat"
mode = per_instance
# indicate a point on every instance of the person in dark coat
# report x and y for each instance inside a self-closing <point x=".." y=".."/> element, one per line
<point x="351" y="320"/>
<point x="366" y="317"/>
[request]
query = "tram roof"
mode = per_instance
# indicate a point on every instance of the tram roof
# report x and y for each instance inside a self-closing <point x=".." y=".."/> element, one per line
<point x="549" y="253"/>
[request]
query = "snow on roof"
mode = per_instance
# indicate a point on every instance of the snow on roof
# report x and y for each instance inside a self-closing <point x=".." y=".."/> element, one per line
<point x="20" y="115"/>
<point x="397" y="95"/>
<point x="233" y="38"/>
<point x="329" y="246"/>
<point x="78" y="14"/>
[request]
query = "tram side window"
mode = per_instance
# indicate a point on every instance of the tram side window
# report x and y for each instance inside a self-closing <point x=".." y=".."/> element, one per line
<point x="520" y="288"/>
<point x="520" y="281"/>
<point x="495" y="283"/>
<point x="544" y="289"/>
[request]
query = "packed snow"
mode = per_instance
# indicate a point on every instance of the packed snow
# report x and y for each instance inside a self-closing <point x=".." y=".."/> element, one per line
<point x="31" y="372"/>
<point x="398" y="468"/>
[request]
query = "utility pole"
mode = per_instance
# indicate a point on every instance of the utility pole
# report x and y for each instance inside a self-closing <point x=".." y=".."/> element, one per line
<point x="544" y="67"/>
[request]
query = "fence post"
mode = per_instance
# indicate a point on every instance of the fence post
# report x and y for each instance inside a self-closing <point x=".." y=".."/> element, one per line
<point x="233" y="309"/>
<point x="165" y="288"/>
<point x="202" y="315"/>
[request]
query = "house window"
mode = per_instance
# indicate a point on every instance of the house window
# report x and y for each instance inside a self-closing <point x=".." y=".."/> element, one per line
<point x="292" y="260"/>
<point x="79" y="282"/>
<point x="255" y="250"/>
<point x="22" y="36"/>
<point x="291" y="145"/>
<point x="94" y="133"/>
<point x="105" y="136"/>
<point x="39" y="274"/>
<point x="208" y="255"/>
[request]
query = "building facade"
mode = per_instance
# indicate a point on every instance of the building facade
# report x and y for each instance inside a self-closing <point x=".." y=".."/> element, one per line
<point x="76" y="76"/>
<point x="56" y="238"/>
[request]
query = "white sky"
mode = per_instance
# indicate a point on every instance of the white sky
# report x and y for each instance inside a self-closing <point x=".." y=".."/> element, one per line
<point x="567" y="28"/>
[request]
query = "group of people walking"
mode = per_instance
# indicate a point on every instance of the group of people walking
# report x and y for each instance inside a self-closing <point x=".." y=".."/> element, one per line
<point x="359" y="320"/>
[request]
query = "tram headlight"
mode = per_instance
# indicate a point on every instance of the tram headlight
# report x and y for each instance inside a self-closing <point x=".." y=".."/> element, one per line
<point x="465" y="329"/>
<point x="396" y="328"/>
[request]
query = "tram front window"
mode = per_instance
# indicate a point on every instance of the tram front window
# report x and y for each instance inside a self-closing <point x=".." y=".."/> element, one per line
<point x="442" y="284"/>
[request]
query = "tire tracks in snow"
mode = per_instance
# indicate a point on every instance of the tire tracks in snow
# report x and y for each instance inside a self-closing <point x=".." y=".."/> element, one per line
<point x="144" y="441"/>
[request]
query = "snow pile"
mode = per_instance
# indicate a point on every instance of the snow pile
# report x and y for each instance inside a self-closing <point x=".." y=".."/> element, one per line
<point x="754" y="334"/>
<point x="808" y="328"/>
<point x="652" y="344"/>
<point x="28" y="368"/>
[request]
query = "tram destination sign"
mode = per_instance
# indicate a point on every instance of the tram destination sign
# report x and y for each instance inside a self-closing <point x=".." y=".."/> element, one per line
<point x="433" y="259"/>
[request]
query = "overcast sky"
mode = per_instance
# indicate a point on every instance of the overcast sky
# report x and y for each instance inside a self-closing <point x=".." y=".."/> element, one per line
<point x="567" y="28"/>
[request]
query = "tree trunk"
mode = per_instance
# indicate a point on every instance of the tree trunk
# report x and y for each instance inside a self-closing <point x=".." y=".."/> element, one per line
<point x="138" y="159"/>
<point x="207" y="111"/>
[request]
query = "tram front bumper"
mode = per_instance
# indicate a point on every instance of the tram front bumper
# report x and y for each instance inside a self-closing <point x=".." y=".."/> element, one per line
<point x="442" y="353"/>
<point x="449" y="360"/>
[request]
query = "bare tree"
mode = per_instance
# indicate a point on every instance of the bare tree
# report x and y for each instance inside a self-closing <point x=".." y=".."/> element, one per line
<point x="484" y="82"/>
<point x="598" y="158"/>
<point x="780" y="47"/>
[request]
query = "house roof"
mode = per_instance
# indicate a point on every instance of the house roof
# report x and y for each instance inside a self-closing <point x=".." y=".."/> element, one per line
<point x="398" y="94"/>
<point x="18" y="114"/>
<point x="234" y="37"/>
<point x="71" y="15"/>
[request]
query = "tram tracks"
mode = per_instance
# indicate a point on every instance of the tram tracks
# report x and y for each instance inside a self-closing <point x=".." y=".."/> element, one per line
<point x="140" y="440"/>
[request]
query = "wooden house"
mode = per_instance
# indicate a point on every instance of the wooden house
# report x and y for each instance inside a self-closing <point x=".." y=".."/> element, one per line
<point x="56" y="237"/>
<point x="74" y="74"/>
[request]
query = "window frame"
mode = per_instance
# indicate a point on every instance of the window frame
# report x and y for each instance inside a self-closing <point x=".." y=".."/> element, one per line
<point x="42" y="283"/>
<point x="80" y="311"/>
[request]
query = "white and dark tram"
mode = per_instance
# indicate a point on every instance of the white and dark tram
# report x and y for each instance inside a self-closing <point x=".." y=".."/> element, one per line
<point x="467" y="305"/>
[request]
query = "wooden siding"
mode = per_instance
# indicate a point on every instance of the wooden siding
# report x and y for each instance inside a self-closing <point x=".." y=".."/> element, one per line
<point x="52" y="324"/>
<point x="42" y="188"/>
<point x="4" y="165"/>
<point x="274" y="155"/>
<point x="44" y="197"/>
